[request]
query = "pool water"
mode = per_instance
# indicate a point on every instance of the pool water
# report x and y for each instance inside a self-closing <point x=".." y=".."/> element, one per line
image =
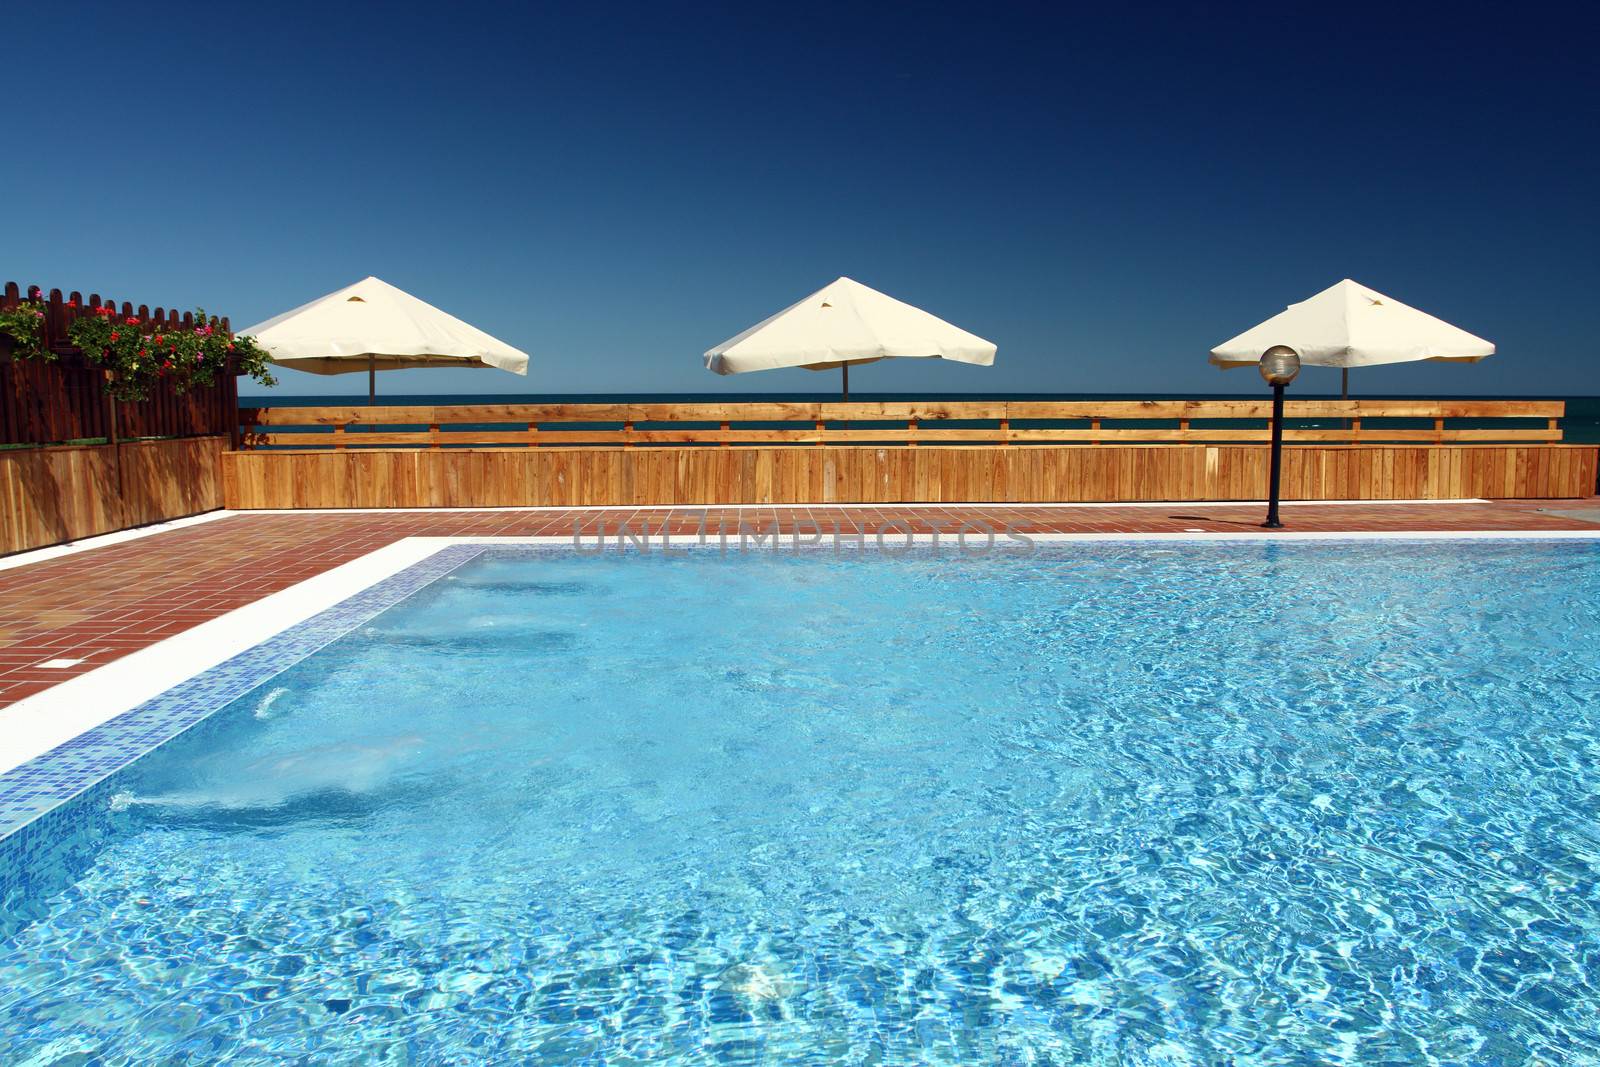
<point x="1131" y="803"/>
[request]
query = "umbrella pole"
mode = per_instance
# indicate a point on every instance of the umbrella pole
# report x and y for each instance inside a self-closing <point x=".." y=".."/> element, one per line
<point x="846" y="368"/>
<point x="372" y="380"/>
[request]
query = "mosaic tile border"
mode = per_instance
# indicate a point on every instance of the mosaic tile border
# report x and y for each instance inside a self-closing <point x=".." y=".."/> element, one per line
<point x="43" y="784"/>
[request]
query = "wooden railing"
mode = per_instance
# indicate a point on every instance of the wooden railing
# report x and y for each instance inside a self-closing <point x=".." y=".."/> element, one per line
<point x="1006" y="423"/>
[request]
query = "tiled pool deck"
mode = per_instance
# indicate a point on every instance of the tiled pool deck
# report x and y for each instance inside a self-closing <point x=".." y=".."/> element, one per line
<point x="96" y="606"/>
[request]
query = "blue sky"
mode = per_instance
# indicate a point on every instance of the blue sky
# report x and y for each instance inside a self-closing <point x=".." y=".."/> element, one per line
<point x="1104" y="192"/>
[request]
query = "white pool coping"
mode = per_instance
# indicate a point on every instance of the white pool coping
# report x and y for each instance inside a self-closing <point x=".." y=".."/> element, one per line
<point x="36" y="724"/>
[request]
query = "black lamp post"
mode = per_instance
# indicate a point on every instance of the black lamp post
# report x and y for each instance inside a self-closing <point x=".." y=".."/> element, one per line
<point x="1279" y="365"/>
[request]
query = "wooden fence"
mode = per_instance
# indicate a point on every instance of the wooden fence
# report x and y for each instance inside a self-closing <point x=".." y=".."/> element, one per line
<point x="65" y="400"/>
<point x="50" y="495"/>
<point x="659" y="454"/>
<point x="593" y="455"/>
<point x="907" y="424"/>
<point x="589" y="477"/>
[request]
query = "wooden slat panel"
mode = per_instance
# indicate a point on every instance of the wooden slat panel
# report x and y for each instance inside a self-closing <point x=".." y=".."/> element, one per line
<point x="50" y="495"/>
<point x="1109" y="472"/>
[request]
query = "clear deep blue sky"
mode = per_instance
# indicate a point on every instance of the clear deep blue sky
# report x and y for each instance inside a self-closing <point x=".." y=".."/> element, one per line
<point x="1104" y="192"/>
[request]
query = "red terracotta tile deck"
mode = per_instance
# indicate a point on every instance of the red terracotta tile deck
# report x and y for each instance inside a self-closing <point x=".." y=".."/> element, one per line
<point x="98" y="605"/>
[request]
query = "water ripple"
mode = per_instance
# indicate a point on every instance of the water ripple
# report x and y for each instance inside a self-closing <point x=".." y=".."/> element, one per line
<point x="1235" y="804"/>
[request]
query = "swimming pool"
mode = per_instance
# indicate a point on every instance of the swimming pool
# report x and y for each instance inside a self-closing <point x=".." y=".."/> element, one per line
<point x="1241" y="802"/>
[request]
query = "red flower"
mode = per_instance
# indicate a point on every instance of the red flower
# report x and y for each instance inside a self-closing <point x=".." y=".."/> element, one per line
<point x="230" y="346"/>
<point x="132" y="322"/>
<point x="113" y="335"/>
<point x="158" y="338"/>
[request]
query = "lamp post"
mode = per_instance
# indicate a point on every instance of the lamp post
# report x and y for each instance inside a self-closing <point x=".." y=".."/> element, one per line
<point x="1279" y="365"/>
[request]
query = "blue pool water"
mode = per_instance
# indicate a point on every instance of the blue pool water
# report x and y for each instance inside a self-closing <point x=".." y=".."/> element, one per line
<point x="1112" y="803"/>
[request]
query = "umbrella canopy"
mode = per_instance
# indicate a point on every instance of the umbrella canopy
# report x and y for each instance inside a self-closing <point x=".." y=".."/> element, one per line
<point x="842" y="323"/>
<point x="371" y="326"/>
<point x="1348" y="325"/>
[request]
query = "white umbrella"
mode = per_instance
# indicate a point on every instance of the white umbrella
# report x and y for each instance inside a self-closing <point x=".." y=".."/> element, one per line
<point x="1348" y="325"/>
<point x="373" y="326"/>
<point x="842" y="323"/>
